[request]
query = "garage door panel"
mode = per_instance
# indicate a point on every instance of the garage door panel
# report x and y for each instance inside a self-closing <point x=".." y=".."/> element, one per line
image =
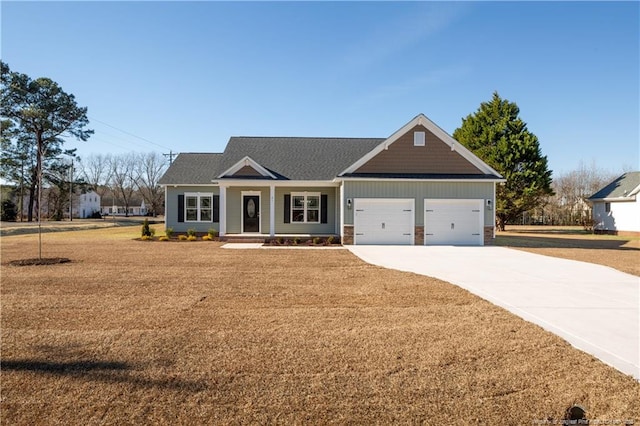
<point x="454" y="222"/>
<point x="383" y="221"/>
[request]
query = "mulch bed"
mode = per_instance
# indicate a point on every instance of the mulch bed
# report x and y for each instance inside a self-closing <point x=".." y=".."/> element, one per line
<point x="39" y="261"/>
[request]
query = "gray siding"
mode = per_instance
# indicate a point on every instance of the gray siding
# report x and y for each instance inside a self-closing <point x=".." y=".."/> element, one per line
<point x="418" y="191"/>
<point x="306" y="228"/>
<point x="234" y="208"/>
<point x="171" y="202"/>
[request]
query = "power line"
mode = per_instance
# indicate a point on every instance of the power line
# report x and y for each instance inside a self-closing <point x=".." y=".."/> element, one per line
<point x="129" y="133"/>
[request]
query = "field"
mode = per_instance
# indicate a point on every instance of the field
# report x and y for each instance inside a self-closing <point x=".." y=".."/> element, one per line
<point x="134" y="332"/>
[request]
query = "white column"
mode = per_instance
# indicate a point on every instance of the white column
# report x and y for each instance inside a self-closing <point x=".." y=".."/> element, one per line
<point x="223" y="210"/>
<point x="272" y="210"/>
<point x="342" y="207"/>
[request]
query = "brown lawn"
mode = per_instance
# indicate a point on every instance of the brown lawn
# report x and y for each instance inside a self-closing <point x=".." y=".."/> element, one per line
<point x="621" y="253"/>
<point x="135" y="332"/>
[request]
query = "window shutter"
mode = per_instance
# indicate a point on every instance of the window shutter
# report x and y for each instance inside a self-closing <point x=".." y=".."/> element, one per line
<point x="287" y="208"/>
<point x="216" y="208"/>
<point x="181" y="208"/>
<point x="323" y="208"/>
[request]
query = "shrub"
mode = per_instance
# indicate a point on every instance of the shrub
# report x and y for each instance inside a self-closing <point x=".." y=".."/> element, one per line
<point x="329" y="240"/>
<point x="191" y="238"/>
<point x="95" y="215"/>
<point x="207" y="238"/>
<point x="163" y="238"/>
<point x="9" y="211"/>
<point x="168" y="232"/>
<point x="146" y="232"/>
<point x="146" y="238"/>
<point x="316" y="241"/>
<point x="212" y="233"/>
<point x="182" y="237"/>
<point x="191" y="232"/>
<point x="296" y="241"/>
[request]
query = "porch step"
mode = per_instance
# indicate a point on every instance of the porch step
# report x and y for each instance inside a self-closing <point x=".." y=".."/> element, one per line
<point x="243" y="240"/>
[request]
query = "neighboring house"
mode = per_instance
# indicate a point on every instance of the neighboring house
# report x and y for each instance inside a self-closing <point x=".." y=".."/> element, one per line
<point x="418" y="186"/>
<point x="137" y="209"/>
<point x="616" y="208"/>
<point x="88" y="204"/>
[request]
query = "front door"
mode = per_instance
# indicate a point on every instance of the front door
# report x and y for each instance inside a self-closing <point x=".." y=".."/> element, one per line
<point x="251" y="213"/>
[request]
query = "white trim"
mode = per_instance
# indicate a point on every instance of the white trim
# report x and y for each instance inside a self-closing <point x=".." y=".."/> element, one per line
<point x="305" y="194"/>
<point x="250" y="193"/>
<point x="198" y="196"/>
<point x="247" y="161"/>
<point x="355" y="179"/>
<point x="280" y="183"/>
<point x="422" y="120"/>
<point x="272" y="210"/>
<point x="341" y="204"/>
<point x="222" y="214"/>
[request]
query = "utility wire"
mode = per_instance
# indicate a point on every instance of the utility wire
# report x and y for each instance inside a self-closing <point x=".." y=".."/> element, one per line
<point x="129" y="133"/>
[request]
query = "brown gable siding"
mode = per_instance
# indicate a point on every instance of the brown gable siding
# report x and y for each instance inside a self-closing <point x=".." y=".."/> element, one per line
<point x="247" y="171"/>
<point x="435" y="157"/>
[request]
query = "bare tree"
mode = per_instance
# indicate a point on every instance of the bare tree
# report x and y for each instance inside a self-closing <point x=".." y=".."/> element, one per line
<point x="149" y="169"/>
<point x="97" y="170"/>
<point x="568" y="205"/>
<point x="122" y="178"/>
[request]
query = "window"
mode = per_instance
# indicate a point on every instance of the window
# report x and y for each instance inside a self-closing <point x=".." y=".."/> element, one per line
<point x="607" y="207"/>
<point x="305" y="207"/>
<point x="198" y="207"/>
<point x="418" y="139"/>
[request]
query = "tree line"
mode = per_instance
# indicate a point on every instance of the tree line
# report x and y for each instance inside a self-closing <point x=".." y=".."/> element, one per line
<point x="37" y="114"/>
<point x="36" y="117"/>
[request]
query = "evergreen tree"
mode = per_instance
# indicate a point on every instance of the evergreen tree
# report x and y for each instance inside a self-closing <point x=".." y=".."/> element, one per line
<point x="498" y="136"/>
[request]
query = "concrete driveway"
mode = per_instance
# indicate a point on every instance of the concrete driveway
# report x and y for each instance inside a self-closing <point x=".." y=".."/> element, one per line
<point x="593" y="307"/>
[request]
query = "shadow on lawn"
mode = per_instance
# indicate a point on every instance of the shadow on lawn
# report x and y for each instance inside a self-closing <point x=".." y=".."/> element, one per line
<point x="553" y="242"/>
<point x="105" y="371"/>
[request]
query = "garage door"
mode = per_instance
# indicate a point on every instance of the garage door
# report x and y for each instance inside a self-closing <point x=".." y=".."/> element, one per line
<point x="383" y="221"/>
<point x="454" y="222"/>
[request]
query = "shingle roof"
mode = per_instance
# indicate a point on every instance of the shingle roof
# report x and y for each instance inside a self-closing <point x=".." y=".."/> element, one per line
<point x="622" y="187"/>
<point x="285" y="157"/>
<point x="299" y="158"/>
<point x="192" y="168"/>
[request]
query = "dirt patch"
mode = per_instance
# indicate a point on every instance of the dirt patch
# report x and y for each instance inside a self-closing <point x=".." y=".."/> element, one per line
<point x="193" y="334"/>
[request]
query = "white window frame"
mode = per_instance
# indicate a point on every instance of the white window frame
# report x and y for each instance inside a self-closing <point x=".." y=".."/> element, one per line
<point x="419" y="138"/>
<point x="305" y="207"/>
<point x="198" y="196"/>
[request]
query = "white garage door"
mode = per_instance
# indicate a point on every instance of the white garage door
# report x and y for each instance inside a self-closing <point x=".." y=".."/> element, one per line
<point x="454" y="222"/>
<point x="383" y="221"/>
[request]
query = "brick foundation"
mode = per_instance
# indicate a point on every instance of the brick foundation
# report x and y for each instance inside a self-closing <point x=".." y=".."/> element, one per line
<point x="488" y="236"/>
<point x="347" y="238"/>
<point x="419" y="236"/>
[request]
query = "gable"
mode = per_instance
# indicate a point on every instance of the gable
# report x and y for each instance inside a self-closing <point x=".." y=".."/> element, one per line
<point x="246" y="171"/>
<point x="247" y="167"/>
<point x="402" y="157"/>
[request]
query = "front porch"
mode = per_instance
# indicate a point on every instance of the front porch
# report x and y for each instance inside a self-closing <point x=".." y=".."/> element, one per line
<point x="266" y="238"/>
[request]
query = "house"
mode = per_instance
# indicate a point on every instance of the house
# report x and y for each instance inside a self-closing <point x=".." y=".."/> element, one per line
<point x="136" y="208"/>
<point x="418" y="186"/>
<point x="616" y="208"/>
<point x="88" y="205"/>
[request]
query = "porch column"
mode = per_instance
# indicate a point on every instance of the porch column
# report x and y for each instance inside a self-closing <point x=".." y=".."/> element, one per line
<point x="272" y="210"/>
<point x="223" y="211"/>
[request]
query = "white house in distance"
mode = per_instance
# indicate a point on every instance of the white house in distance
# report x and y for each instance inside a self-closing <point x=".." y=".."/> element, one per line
<point x="88" y="204"/>
<point x="616" y="208"/>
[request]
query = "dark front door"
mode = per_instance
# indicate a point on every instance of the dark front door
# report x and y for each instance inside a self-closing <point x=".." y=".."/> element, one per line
<point x="251" y="213"/>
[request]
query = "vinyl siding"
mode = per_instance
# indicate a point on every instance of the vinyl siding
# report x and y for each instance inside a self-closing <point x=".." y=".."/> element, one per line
<point x="171" y="202"/>
<point x="306" y="228"/>
<point x="234" y="208"/>
<point x="418" y="191"/>
<point x="403" y="157"/>
<point x="623" y="216"/>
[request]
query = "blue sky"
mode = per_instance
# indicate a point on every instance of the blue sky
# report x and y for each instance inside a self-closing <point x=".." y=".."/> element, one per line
<point x="185" y="76"/>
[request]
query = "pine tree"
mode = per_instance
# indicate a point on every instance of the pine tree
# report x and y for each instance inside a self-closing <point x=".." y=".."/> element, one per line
<point x="497" y="135"/>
